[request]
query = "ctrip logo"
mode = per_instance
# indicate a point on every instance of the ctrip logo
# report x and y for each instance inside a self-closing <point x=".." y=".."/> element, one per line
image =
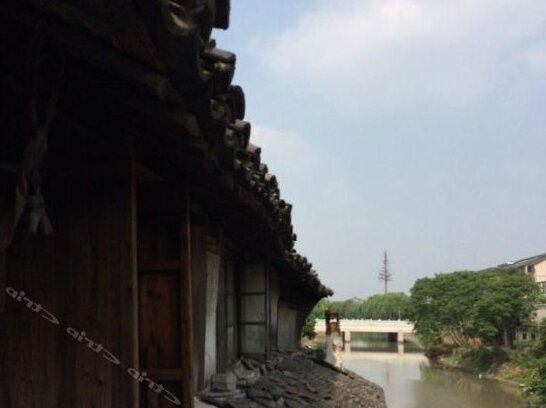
<point x="81" y="337"/>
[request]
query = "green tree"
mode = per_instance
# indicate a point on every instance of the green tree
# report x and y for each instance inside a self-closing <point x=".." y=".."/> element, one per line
<point x="316" y="313"/>
<point x="467" y="305"/>
<point x="386" y="306"/>
<point x="535" y="362"/>
<point x="508" y="300"/>
<point x="309" y="328"/>
<point x="350" y="308"/>
<point x="320" y="308"/>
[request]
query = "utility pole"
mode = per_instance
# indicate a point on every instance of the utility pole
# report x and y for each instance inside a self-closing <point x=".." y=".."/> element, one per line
<point x="385" y="275"/>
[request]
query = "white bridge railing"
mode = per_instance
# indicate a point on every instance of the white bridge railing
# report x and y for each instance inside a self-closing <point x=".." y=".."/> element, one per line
<point x="348" y="326"/>
<point x="368" y="325"/>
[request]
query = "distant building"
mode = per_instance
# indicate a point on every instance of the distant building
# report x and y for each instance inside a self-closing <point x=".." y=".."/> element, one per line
<point x="535" y="266"/>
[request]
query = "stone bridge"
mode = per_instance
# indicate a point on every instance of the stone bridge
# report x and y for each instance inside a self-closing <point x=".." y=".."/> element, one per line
<point x="347" y="326"/>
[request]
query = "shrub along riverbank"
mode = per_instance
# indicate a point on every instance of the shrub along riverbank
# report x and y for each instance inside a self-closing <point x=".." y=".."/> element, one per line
<point x="523" y="367"/>
<point x="468" y="320"/>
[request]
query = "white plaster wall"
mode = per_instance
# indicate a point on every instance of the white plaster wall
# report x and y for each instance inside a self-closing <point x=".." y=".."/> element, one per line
<point x="286" y="327"/>
<point x="213" y="273"/>
<point x="253" y="309"/>
<point x="540" y="272"/>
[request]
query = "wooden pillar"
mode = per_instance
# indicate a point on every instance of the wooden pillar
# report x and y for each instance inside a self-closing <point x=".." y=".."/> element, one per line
<point x="3" y="369"/>
<point x="4" y="209"/>
<point x="3" y="279"/>
<point x="199" y="282"/>
<point x="129" y="289"/>
<point x="274" y="295"/>
<point x="267" y="301"/>
<point x="6" y="181"/>
<point x="186" y="313"/>
<point x="213" y="275"/>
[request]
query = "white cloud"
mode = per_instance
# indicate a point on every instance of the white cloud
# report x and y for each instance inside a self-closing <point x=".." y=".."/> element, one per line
<point x="412" y="52"/>
<point x="536" y="58"/>
<point x="302" y="171"/>
<point x="286" y="152"/>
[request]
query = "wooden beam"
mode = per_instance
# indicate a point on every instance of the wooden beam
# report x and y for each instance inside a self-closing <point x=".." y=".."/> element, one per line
<point x="160" y="265"/>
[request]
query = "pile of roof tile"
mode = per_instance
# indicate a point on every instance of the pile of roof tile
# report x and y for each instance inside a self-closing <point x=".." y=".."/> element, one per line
<point x="301" y="380"/>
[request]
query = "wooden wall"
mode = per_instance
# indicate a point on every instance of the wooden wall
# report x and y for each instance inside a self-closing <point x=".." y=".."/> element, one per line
<point x="82" y="275"/>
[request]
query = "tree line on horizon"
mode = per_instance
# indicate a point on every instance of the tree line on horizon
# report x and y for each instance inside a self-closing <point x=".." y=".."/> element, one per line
<point x="389" y="306"/>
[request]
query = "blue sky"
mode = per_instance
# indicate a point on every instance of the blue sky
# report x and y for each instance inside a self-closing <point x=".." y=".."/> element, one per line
<point x="412" y="126"/>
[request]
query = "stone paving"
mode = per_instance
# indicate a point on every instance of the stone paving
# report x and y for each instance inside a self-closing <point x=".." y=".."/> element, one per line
<point x="301" y="380"/>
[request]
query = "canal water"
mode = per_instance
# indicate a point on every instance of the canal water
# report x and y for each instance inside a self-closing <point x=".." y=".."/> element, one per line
<point x="410" y="382"/>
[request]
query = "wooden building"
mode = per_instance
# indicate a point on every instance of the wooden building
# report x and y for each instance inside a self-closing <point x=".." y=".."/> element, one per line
<point x="144" y="246"/>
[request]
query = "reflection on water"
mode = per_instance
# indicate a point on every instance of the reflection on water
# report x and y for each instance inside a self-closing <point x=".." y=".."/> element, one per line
<point x="379" y="342"/>
<point x="409" y="381"/>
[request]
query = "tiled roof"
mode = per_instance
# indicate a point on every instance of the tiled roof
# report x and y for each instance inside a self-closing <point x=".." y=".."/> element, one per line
<point x="173" y="54"/>
<point x="533" y="260"/>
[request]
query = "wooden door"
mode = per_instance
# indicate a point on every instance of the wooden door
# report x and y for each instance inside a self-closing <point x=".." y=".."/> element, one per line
<point x="165" y="325"/>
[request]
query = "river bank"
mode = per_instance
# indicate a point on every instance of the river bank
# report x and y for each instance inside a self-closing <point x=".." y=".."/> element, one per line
<point x="492" y="363"/>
